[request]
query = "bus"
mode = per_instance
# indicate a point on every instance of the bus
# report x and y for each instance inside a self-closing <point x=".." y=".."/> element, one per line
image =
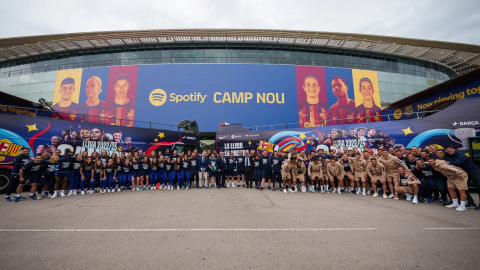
<point x="453" y="125"/>
<point x="47" y="134"/>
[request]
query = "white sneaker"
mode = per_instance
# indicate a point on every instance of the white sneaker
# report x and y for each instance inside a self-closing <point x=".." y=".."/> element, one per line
<point x="178" y="187"/>
<point x="171" y="188"/>
<point x="165" y="187"/>
<point x="323" y="191"/>
<point x="368" y="192"/>
<point x="91" y="192"/>
<point x="452" y="206"/>
<point x="285" y="191"/>
<point x="82" y="193"/>
<point x="415" y="201"/>
<point x="328" y="191"/>
<point x="118" y="190"/>
<point x="138" y="189"/>
<point x="154" y="188"/>
<point x="358" y="192"/>
<point x="375" y="195"/>
<point x="409" y="196"/>
<point x="54" y="195"/>
<point x="334" y="190"/>
<point x="385" y="196"/>
<point x="233" y="185"/>
<point x="75" y="192"/>
<point x="39" y="196"/>
<point x="461" y="209"/>
<point x="339" y="191"/>
<point x="108" y="190"/>
<point x="304" y="189"/>
<point x="290" y="190"/>
<point x="113" y="190"/>
<point x="70" y="193"/>
<point x="364" y="194"/>
<point x="62" y="194"/>
<point x="391" y="196"/>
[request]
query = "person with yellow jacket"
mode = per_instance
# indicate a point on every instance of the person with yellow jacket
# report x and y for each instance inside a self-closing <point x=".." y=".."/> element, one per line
<point x="335" y="170"/>
<point x="456" y="179"/>
<point x="408" y="185"/>
<point x="298" y="173"/>
<point x="359" y="172"/>
<point x="315" y="173"/>
<point x="376" y="172"/>
<point x="391" y="164"/>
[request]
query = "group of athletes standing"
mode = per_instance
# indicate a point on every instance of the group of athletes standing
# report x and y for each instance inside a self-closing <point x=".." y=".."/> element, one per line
<point x="389" y="173"/>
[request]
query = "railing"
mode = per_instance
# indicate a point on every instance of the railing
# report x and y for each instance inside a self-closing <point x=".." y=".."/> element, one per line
<point x="221" y="60"/>
<point x="385" y="117"/>
<point x="40" y="113"/>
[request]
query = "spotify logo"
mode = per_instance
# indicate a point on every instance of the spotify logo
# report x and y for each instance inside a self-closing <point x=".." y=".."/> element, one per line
<point x="158" y="97"/>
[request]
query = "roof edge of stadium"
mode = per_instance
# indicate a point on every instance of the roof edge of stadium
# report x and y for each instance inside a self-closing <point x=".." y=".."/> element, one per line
<point x="436" y="88"/>
<point x="22" y="40"/>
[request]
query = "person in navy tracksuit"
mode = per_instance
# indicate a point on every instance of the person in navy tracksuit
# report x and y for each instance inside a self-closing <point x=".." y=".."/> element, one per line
<point x="86" y="175"/>
<point x="212" y="170"/>
<point x="145" y="173"/>
<point x="221" y="170"/>
<point x="97" y="175"/>
<point x="17" y="164"/>
<point x="48" y="175"/>
<point x="185" y="172"/>
<point x="110" y="175"/>
<point x="266" y="169"/>
<point x="177" y="165"/>
<point x="231" y="168"/>
<point x="127" y="170"/>
<point x="75" y="176"/>
<point x="162" y="175"/>
<point x="240" y="165"/>
<point x="276" y="162"/>
<point x="118" y="164"/>
<point x="194" y="169"/>
<point x="257" y="171"/>
<point x="169" y="170"/>
<point x="30" y="172"/>
<point x="135" y="174"/>
<point x="153" y="173"/>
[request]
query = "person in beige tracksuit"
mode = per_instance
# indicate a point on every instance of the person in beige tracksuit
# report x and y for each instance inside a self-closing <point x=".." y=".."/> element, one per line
<point x="359" y="172"/>
<point x="408" y="185"/>
<point x="287" y="168"/>
<point x="456" y="179"/>
<point x="335" y="170"/>
<point x="376" y="172"/>
<point x="315" y="173"/>
<point x="298" y="173"/>
<point x="391" y="164"/>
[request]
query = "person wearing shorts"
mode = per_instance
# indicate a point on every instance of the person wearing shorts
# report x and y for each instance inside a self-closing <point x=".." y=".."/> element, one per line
<point x="346" y="161"/>
<point x="17" y="164"/>
<point x="391" y="164"/>
<point x="335" y="170"/>
<point x="315" y="172"/>
<point x="240" y="165"/>
<point x="376" y="172"/>
<point x="456" y="179"/>
<point x="287" y="175"/>
<point x="30" y="172"/>
<point x="298" y="173"/>
<point x="266" y="170"/>
<point x="359" y="172"/>
<point x="408" y="185"/>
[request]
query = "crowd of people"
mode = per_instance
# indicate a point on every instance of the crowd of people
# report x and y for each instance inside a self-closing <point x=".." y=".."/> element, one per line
<point x="419" y="175"/>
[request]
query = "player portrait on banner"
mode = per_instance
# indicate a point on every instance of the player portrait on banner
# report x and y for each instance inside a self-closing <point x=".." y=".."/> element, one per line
<point x="343" y="111"/>
<point x="368" y="111"/>
<point x="94" y="107"/>
<point x="122" y="90"/>
<point x="311" y="96"/>
<point x="65" y="97"/>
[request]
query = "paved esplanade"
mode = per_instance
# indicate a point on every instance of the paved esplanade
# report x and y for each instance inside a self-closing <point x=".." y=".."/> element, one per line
<point x="283" y="231"/>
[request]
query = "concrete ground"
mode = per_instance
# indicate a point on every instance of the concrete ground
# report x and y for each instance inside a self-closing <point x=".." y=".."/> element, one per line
<point x="235" y="228"/>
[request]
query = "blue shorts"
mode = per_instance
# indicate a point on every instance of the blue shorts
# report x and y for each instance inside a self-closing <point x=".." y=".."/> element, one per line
<point x="267" y="174"/>
<point x="62" y="175"/>
<point x="240" y="172"/>
<point x="32" y="179"/>
<point x="135" y="174"/>
<point x="144" y="173"/>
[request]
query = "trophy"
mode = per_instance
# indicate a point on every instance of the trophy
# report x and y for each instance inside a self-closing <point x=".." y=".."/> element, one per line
<point x="463" y="134"/>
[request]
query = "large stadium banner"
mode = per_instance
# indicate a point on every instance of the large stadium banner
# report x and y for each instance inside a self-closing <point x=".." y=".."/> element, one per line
<point x="43" y="134"/>
<point x="452" y="126"/>
<point x="251" y="94"/>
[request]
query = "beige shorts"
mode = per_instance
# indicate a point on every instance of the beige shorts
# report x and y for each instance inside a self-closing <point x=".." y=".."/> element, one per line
<point x="406" y="189"/>
<point x="376" y="178"/>
<point x="360" y="177"/>
<point x="349" y="174"/>
<point x="393" y="177"/>
<point x="299" y="177"/>
<point x="315" y="175"/>
<point x="460" y="182"/>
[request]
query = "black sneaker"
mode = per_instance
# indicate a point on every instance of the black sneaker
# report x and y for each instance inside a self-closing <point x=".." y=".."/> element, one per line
<point x="261" y="188"/>
<point x="268" y="188"/>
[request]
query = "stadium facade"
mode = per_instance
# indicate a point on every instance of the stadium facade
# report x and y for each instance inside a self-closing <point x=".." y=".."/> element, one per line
<point x="254" y="77"/>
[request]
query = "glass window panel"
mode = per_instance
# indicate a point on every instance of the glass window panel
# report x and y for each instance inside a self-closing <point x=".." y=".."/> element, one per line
<point x="24" y="96"/>
<point x="23" y="79"/>
<point x="410" y="89"/>
<point x="384" y="77"/>
<point x="397" y="78"/>
<point x="398" y="88"/>
<point x="421" y="81"/>
<point x="22" y="89"/>
<point x="12" y="80"/>
<point x="10" y="89"/>
<point x="35" y="88"/>
<point x="33" y="97"/>
<point x="50" y="76"/>
<point x="47" y="96"/>
<point x="48" y="86"/>
<point x="385" y="87"/>
<point x="386" y="97"/>
<point x="409" y="79"/>
<point x="3" y="82"/>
